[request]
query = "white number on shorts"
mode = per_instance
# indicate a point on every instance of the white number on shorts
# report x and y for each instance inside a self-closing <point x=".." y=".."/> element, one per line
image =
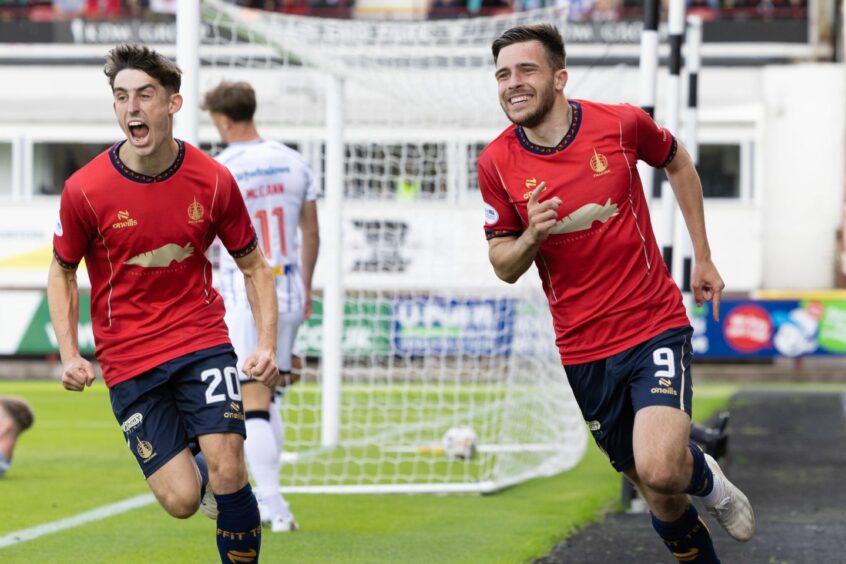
<point x="233" y="386"/>
<point x="664" y="357"/>
<point x="230" y="376"/>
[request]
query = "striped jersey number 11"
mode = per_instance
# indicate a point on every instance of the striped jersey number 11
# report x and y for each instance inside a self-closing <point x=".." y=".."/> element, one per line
<point x="264" y="225"/>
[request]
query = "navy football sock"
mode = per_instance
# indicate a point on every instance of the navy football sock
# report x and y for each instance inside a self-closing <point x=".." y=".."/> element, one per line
<point x="702" y="480"/>
<point x="687" y="538"/>
<point x="238" y="526"/>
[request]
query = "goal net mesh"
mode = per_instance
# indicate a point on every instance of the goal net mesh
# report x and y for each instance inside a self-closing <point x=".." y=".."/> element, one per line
<point x="432" y="340"/>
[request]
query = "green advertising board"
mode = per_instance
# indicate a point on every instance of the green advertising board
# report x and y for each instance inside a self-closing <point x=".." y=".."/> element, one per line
<point x="39" y="337"/>
<point x="367" y="328"/>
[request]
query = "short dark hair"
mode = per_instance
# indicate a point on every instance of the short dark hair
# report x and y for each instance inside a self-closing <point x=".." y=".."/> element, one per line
<point x="140" y="57"/>
<point x="19" y="410"/>
<point x="235" y="100"/>
<point x="548" y="36"/>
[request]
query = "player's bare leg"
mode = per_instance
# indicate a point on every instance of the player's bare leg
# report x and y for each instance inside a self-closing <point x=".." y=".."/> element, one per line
<point x="238" y="522"/>
<point x="660" y="442"/>
<point x="664" y="472"/>
<point x="177" y="484"/>
<point x="667" y="462"/>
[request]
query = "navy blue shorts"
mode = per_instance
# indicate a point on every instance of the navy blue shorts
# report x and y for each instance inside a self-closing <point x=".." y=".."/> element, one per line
<point x="161" y="410"/>
<point x="610" y="391"/>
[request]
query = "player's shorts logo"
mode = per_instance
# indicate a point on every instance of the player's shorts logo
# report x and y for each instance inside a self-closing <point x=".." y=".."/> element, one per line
<point x="195" y="212"/>
<point x="665" y="386"/>
<point x="134" y="420"/>
<point x="599" y="164"/>
<point x="145" y="450"/>
<point x="236" y="412"/>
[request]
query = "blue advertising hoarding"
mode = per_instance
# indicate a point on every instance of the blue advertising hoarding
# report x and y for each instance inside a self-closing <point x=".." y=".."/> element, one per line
<point x="453" y="327"/>
<point x="771" y="328"/>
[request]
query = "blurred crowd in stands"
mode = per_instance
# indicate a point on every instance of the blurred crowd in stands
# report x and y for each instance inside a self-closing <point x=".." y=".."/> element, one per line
<point x="580" y="10"/>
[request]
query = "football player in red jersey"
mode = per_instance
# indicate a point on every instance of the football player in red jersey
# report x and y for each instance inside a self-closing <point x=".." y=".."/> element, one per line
<point x="142" y="215"/>
<point x="561" y="190"/>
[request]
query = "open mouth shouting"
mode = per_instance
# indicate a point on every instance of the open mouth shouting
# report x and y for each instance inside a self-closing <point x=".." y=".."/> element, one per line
<point x="138" y="131"/>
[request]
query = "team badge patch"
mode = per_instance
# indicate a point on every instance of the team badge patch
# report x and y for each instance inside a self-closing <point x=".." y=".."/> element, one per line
<point x="491" y="216"/>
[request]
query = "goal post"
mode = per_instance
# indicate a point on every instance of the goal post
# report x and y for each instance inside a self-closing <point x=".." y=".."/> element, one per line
<point x="412" y="335"/>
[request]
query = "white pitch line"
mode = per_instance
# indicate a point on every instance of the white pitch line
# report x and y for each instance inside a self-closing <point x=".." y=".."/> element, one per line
<point x="77" y="520"/>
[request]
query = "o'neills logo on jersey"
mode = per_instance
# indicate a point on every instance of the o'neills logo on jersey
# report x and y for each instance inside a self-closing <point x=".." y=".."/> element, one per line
<point x="124" y="220"/>
<point x="599" y="164"/>
<point x="195" y="212"/>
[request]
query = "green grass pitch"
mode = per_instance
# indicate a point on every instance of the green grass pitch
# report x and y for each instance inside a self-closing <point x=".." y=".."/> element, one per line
<point x="75" y="460"/>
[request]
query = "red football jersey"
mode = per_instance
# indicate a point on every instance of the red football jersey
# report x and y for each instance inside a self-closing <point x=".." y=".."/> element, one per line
<point x="602" y="271"/>
<point x="144" y="241"/>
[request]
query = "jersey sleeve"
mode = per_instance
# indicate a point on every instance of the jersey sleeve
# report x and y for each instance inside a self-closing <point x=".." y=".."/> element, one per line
<point x="73" y="232"/>
<point x="311" y="189"/>
<point x="501" y="217"/>
<point x="655" y="145"/>
<point x="234" y="227"/>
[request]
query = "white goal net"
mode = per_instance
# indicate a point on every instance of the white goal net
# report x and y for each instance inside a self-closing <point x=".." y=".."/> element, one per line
<point x="446" y="380"/>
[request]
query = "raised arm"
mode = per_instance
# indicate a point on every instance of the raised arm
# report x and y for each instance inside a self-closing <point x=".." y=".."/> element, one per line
<point x="261" y="292"/>
<point x="706" y="283"/>
<point x="512" y="256"/>
<point x="308" y="251"/>
<point x="63" y="302"/>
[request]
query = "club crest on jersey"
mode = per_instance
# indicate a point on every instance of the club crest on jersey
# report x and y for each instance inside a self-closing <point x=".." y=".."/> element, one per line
<point x="195" y="212"/>
<point x="599" y="164"/>
<point x="124" y="220"/>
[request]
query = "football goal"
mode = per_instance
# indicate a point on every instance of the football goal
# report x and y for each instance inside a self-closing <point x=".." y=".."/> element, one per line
<point x="425" y="373"/>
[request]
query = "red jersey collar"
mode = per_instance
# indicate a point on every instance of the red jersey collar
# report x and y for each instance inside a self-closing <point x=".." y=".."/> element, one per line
<point x="565" y="141"/>
<point x="120" y="166"/>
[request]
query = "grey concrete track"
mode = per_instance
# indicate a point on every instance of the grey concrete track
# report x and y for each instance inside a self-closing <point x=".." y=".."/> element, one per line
<point x="787" y="452"/>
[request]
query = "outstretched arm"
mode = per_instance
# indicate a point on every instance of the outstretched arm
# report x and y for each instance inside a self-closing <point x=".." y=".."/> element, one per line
<point x="512" y="256"/>
<point x="63" y="302"/>
<point x="705" y="280"/>
<point x="310" y="246"/>
<point x="261" y="292"/>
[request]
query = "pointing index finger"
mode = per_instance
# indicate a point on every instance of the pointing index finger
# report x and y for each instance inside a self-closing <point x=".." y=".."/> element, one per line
<point x="533" y="199"/>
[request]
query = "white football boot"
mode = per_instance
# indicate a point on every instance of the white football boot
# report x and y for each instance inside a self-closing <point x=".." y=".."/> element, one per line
<point x="734" y="512"/>
<point x="283" y="524"/>
<point x="208" y="505"/>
